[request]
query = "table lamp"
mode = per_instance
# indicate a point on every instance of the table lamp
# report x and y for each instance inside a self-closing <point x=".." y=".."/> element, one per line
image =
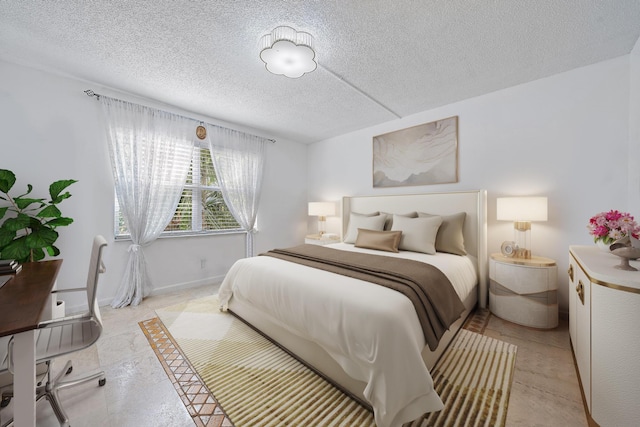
<point x="322" y="210"/>
<point x="522" y="210"/>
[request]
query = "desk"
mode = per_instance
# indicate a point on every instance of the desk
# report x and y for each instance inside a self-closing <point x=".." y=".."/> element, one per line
<point x="22" y="301"/>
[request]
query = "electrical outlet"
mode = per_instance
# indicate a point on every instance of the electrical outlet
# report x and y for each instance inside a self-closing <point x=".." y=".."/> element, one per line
<point x="203" y="263"/>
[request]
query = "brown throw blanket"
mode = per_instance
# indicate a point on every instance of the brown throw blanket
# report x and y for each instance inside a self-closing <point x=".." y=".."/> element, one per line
<point x="430" y="291"/>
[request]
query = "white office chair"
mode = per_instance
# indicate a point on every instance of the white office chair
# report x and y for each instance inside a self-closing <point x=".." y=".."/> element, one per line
<point x="57" y="337"/>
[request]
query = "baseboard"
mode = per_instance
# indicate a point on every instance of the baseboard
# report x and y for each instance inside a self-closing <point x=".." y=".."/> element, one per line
<point x="175" y="287"/>
<point x="186" y="285"/>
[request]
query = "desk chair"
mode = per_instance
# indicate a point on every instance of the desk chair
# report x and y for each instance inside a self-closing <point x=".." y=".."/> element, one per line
<point x="58" y="337"/>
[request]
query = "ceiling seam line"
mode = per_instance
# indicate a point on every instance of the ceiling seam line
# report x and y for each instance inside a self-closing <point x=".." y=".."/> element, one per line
<point x="342" y="79"/>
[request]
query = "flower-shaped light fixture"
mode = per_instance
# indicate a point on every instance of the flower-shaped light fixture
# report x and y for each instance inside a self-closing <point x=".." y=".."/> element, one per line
<point x="288" y="52"/>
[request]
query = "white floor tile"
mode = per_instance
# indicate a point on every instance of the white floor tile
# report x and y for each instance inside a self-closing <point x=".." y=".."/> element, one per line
<point x="138" y="393"/>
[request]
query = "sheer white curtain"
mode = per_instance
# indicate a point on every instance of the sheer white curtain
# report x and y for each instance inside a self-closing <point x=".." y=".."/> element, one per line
<point x="150" y="155"/>
<point x="238" y="159"/>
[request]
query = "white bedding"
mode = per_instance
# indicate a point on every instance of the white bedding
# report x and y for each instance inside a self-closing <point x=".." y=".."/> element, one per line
<point x="371" y="331"/>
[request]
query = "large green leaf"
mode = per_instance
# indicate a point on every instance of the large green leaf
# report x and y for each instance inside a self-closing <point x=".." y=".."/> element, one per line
<point x="41" y="238"/>
<point x="17" y="250"/>
<point x="37" y="254"/>
<point x="18" y="223"/>
<point x="59" y="222"/>
<point x="7" y="179"/>
<point x="6" y="236"/>
<point x="52" y="250"/>
<point x="61" y="197"/>
<point x="3" y="211"/>
<point x="23" y="203"/>
<point x="35" y="223"/>
<point x="56" y="188"/>
<point x="50" y="211"/>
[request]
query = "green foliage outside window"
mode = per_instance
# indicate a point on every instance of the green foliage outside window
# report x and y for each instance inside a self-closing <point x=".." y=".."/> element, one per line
<point x="201" y="208"/>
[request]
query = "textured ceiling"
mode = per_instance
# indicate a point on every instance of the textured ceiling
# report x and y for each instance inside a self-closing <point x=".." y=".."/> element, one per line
<point x="402" y="56"/>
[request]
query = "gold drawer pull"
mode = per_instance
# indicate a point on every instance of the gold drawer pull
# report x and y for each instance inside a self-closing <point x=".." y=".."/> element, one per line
<point x="570" y="272"/>
<point x="580" y="291"/>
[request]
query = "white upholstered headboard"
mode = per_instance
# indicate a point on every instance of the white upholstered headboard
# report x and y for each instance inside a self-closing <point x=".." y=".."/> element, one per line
<point x="474" y="203"/>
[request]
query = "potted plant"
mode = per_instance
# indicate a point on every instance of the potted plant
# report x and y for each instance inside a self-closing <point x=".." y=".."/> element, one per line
<point x="30" y="228"/>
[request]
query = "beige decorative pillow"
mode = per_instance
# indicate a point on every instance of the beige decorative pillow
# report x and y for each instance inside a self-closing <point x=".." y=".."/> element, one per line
<point x="418" y="234"/>
<point x="378" y="240"/>
<point x="359" y="221"/>
<point x="450" y="238"/>
<point x="389" y="222"/>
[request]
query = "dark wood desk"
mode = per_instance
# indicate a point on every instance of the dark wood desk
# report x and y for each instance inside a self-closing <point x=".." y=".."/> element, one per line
<point x="22" y="299"/>
<point x="22" y="302"/>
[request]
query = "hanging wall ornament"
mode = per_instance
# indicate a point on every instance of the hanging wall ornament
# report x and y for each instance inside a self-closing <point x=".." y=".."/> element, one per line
<point x="201" y="132"/>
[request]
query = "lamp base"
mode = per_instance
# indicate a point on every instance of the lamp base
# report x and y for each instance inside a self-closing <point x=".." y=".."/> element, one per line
<point x="522" y="236"/>
<point x="322" y="225"/>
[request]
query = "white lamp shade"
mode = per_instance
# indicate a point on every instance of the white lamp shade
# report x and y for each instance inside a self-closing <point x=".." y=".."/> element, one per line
<point x="322" y="208"/>
<point x="522" y="208"/>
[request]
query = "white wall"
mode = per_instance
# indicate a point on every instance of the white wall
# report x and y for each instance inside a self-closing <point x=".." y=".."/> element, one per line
<point x="564" y="137"/>
<point x="634" y="131"/>
<point x="51" y="130"/>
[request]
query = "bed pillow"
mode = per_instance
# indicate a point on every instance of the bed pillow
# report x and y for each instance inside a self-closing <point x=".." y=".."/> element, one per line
<point x="367" y="214"/>
<point x="378" y="240"/>
<point x="389" y="222"/>
<point x="359" y="221"/>
<point x="450" y="238"/>
<point x="418" y="234"/>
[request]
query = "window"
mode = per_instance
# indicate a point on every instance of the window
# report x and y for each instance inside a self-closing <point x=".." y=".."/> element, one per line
<point x="201" y="209"/>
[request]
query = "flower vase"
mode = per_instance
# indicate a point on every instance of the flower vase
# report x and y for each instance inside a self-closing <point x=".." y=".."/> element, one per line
<point x="603" y="246"/>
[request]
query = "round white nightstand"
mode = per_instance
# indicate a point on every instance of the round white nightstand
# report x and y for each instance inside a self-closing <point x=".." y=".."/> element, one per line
<point x="524" y="291"/>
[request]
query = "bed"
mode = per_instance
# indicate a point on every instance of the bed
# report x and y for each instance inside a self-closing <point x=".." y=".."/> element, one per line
<point x="366" y="339"/>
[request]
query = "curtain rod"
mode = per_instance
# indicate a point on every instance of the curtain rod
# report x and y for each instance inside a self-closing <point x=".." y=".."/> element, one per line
<point x="91" y="93"/>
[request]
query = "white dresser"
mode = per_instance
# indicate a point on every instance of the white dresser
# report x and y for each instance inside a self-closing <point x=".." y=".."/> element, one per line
<point x="604" y="324"/>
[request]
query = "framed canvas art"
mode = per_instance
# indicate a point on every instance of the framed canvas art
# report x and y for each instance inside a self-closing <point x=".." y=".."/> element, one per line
<point x="420" y="155"/>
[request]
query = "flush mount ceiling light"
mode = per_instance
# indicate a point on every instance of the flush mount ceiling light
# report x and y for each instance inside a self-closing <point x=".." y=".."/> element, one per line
<point x="288" y="52"/>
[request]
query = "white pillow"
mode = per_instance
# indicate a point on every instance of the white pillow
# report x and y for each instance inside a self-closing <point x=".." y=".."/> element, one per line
<point x="418" y="234"/>
<point x="389" y="222"/>
<point x="367" y="222"/>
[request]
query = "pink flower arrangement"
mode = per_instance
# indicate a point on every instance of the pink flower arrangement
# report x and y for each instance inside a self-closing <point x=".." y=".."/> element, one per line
<point x="611" y="226"/>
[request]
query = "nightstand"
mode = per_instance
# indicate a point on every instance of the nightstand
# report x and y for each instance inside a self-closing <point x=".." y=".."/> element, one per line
<point x="316" y="239"/>
<point x="524" y="291"/>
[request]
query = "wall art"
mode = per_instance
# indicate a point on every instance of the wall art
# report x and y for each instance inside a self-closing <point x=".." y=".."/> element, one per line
<point x="420" y="155"/>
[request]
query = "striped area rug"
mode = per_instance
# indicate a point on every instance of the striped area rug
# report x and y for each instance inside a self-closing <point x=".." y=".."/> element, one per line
<point x="260" y="385"/>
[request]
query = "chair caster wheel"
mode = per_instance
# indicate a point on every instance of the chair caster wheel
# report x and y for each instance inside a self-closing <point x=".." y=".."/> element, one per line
<point x="5" y="402"/>
<point x="102" y="382"/>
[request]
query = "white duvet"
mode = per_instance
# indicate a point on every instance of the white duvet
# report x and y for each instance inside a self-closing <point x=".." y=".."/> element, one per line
<point x="373" y="332"/>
